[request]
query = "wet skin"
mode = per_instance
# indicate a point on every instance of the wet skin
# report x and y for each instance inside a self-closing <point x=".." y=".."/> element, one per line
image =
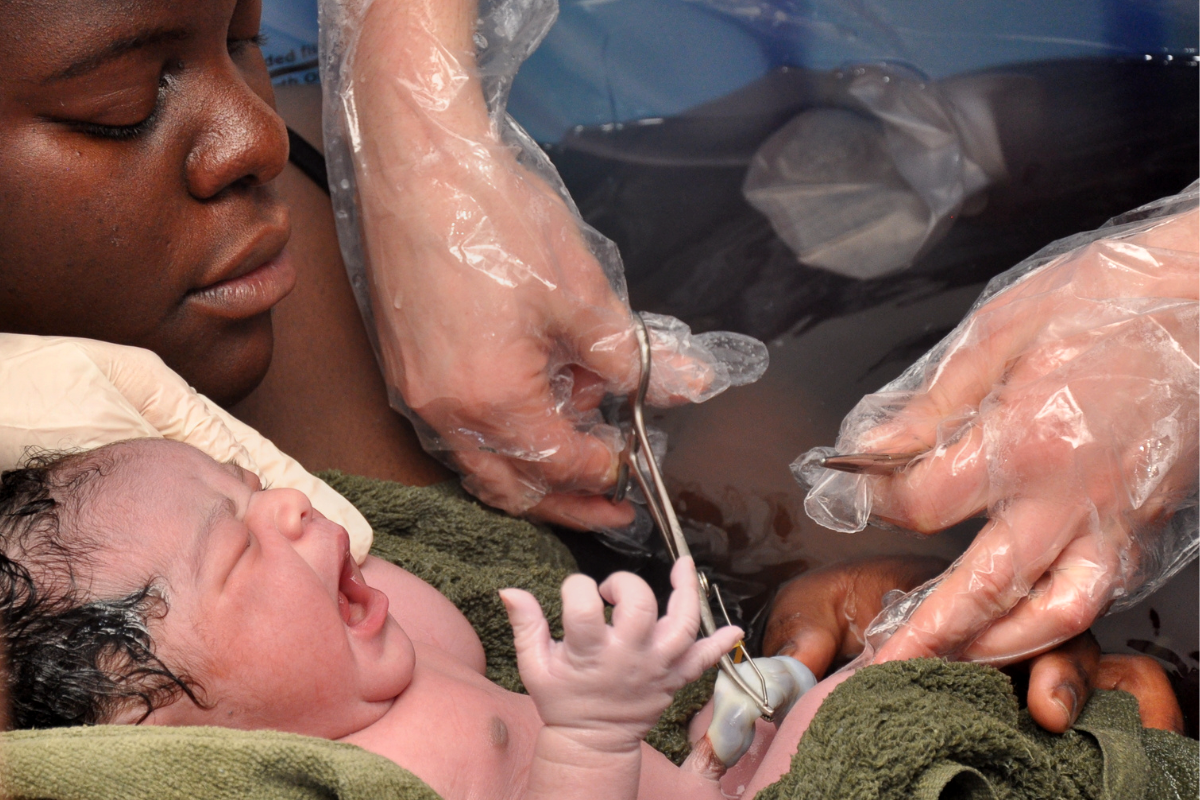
<point x="137" y="144"/>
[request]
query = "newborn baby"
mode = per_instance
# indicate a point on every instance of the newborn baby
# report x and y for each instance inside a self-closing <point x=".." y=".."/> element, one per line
<point x="214" y="601"/>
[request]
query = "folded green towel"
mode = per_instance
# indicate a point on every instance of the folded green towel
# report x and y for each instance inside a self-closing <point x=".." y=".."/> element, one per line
<point x="929" y="729"/>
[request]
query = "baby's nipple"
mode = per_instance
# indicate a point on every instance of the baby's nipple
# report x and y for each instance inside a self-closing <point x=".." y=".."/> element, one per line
<point x="498" y="733"/>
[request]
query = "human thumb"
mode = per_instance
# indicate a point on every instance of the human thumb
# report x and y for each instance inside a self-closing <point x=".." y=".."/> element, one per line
<point x="685" y="367"/>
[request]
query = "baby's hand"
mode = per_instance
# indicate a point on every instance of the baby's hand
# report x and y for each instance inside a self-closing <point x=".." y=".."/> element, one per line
<point x="605" y="686"/>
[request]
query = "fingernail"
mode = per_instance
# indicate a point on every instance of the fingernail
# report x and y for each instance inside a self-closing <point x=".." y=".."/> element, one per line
<point x="787" y="649"/>
<point x="1066" y="697"/>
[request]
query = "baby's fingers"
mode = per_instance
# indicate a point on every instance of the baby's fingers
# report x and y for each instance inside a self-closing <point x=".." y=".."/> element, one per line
<point x="706" y="652"/>
<point x="584" y="626"/>
<point x="531" y="632"/>
<point x="635" y="609"/>
<point x="677" y="630"/>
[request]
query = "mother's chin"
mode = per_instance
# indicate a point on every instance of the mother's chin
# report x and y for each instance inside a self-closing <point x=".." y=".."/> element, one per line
<point x="222" y="359"/>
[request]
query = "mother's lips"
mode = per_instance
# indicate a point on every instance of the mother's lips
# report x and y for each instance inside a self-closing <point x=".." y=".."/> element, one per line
<point x="251" y="293"/>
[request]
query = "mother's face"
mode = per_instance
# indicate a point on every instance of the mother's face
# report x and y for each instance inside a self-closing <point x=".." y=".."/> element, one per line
<point x="137" y="145"/>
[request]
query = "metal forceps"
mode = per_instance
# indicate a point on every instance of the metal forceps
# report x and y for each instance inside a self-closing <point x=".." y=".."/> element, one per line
<point x="659" y="505"/>
<point x="870" y="463"/>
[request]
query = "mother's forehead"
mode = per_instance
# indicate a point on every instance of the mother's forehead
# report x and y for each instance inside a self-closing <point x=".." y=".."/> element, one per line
<point x="49" y="35"/>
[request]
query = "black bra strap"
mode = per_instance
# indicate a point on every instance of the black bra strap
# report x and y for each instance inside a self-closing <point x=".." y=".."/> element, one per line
<point x="308" y="160"/>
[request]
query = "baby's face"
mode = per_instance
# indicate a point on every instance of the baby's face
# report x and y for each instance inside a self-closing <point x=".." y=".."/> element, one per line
<point x="267" y="610"/>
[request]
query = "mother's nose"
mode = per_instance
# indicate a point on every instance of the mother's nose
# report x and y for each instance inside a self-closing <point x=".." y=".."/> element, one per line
<point x="243" y="143"/>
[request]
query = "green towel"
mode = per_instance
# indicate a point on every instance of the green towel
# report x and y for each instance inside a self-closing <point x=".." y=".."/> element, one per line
<point x="928" y="729"/>
<point x="122" y="762"/>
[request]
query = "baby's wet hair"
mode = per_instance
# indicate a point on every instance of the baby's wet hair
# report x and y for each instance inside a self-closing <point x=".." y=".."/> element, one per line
<point x="71" y="659"/>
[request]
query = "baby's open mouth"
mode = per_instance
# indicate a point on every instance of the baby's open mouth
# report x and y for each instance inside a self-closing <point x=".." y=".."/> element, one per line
<point x="356" y="600"/>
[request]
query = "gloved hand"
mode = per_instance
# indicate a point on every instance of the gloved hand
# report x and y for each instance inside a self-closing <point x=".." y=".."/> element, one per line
<point x="62" y="393"/>
<point x="823" y="614"/>
<point x="500" y="318"/>
<point x="1066" y="406"/>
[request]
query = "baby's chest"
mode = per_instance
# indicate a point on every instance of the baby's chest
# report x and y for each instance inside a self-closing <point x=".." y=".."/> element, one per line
<point x="461" y="734"/>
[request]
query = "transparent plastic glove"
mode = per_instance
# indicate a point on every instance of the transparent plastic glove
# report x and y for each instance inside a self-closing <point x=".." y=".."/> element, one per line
<point x="62" y="393"/>
<point x="500" y="319"/>
<point x="731" y="731"/>
<point x="1065" y="405"/>
<point x="899" y="157"/>
<point x="606" y="685"/>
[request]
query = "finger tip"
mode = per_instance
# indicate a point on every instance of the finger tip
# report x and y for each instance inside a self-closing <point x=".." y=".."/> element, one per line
<point x="511" y="599"/>
<point x="627" y="512"/>
<point x="883" y="657"/>
<point x="593" y="513"/>
<point x="577" y="582"/>
<point x="1056" y="720"/>
<point x="729" y="636"/>
<point x="1054" y="710"/>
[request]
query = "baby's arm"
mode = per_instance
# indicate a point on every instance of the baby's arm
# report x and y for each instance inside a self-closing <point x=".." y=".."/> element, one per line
<point x="601" y="689"/>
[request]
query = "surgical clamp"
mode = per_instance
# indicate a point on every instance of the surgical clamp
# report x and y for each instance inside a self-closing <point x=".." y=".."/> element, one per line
<point x="658" y="502"/>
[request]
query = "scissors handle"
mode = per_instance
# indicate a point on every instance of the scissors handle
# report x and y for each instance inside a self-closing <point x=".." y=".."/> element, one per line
<point x="870" y="463"/>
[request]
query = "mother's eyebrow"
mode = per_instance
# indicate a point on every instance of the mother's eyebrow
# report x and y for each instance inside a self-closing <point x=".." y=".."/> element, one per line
<point x="114" y="50"/>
